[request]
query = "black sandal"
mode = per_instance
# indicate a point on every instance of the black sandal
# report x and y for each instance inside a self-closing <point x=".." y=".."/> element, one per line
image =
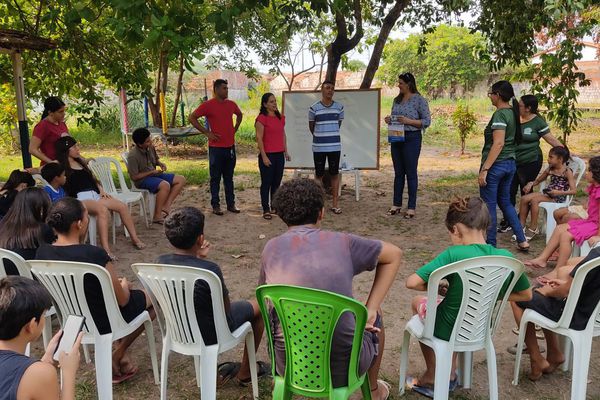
<point x="267" y="215"/>
<point x="393" y="211"/>
<point x="262" y="369"/>
<point x="227" y="371"/>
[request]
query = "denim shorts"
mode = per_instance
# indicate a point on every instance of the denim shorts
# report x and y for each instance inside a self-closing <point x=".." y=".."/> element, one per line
<point x="151" y="183"/>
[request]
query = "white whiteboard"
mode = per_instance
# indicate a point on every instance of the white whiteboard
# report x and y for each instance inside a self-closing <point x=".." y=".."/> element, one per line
<point x="359" y="131"/>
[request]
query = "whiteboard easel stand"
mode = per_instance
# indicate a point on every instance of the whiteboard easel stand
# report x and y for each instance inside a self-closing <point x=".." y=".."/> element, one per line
<point x="356" y="172"/>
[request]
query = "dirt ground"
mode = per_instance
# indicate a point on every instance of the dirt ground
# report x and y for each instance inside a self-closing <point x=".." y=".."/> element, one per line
<point x="236" y="247"/>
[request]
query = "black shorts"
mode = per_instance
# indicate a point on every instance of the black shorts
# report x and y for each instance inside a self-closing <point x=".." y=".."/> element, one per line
<point x="333" y="161"/>
<point x="549" y="307"/>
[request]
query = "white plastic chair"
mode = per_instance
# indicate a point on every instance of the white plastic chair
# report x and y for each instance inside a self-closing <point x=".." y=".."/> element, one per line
<point x="150" y="197"/>
<point x="480" y="311"/>
<point x="101" y="167"/>
<point x="172" y="287"/>
<point x="577" y="165"/>
<point x="581" y="340"/>
<point x="39" y="180"/>
<point x="24" y="271"/>
<point x="64" y="281"/>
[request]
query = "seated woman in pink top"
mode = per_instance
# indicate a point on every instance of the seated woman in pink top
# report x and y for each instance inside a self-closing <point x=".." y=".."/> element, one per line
<point x="579" y="229"/>
<point x="270" y="136"/>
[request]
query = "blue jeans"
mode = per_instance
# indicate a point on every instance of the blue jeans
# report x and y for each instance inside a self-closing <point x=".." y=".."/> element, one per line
<point x="221" y="163"/>
<point x="405" y="156"/>
<point x="270" y="178"/>
<point x="497" y="192"/>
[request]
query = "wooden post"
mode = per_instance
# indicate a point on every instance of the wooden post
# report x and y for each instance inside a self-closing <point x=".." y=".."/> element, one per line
<point x="21" y="111"/>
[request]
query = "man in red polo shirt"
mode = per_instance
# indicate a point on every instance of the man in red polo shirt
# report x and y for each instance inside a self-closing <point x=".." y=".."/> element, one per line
<point x="219" y="112"/>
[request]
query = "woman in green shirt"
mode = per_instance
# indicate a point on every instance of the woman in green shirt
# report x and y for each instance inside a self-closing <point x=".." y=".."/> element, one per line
<point x="528" y="153"/>
<point x="498" y="166"/>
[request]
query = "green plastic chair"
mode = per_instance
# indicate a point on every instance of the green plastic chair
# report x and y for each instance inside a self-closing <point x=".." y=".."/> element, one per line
<point x="308" y="318"/>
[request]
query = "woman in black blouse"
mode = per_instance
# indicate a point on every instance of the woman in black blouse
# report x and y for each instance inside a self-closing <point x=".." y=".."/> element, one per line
<point x="17" y="181"/>
<point x="82" y="185"/>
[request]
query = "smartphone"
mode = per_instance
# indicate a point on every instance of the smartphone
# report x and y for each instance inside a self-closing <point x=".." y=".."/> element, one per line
<point x="71" y="330"/>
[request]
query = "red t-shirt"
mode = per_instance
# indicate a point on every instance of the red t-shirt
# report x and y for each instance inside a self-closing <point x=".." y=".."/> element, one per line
<point x="49" y="133"/>
<point x="274" y="133"/>
<point x="220" y="118"/>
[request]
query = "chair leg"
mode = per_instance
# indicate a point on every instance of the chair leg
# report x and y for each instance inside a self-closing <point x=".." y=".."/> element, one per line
<point x="152" y="346"/>
<point x="465" y="367"/>
<point x="197" y="368"/>
<point x="492" y="372"/>
<point x="365" y="388"/>
<point x="164" y="369"/>
<point x="403" y="362"/>
<point x="582" y="346"/>
<point x="103" y="362"/>
<point x="280" y="390"/>
<point x="443" y="367"/>
<point x="568" y="352"/>
<point x="520" y="344"/>
<point x="357" y="184"/>
<point x="92" y="231"/>
<point x="47" y="332"/>
<point x="252" y="361"/>
<point x="151" y="205"/>
<point x="144" y="212"/>
<point x="86" y="353"/>
<point x="208" y="373"/>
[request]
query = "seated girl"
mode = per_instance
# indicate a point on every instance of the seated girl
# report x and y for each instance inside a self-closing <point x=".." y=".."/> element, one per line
<point x="69" y="218"/>
<point x="562" y="183"/>
<point x="17" y="181"/>
<point x="577" y="229"/>
<point x="467" y="221"/>
<point x="23" y="229"/>
<point x="82" y="185"/>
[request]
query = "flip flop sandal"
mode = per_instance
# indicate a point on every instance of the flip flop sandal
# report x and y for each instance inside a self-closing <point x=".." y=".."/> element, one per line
<point x="159" y="221"/>
<point x="164" y="213"/>
<point x="426" y="391"/>
<point x="408" y="215"/>
<point x="393" y="211"/>
<point x="262" y="369"/>
<point x="267" y="216"/>
<point x="453" y="384"/>
<point x="524" y="249"/>
<point x="336" y="210"/>
<point x="386" y="385"/>
<point x="139" y="245"/>
<point x="227" y="371"/>
<point x="124" y="377"/>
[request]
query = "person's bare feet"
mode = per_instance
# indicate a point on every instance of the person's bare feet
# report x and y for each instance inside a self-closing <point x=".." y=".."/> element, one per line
<point x="382" y="391"/>
<point x="554" y="362"/>
<point x="535" y="263"/>
<point x="537" y="369"/>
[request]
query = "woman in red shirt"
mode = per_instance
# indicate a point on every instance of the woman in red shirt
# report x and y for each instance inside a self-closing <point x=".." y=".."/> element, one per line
<point x="51" y="128"/>
<point x="270" y="136"/>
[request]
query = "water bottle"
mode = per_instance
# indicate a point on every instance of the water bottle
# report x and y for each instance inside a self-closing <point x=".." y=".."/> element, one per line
<point x="344" y="162"/>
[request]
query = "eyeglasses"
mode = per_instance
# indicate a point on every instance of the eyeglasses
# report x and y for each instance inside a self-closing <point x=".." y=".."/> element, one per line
<point x="491" y="93"/>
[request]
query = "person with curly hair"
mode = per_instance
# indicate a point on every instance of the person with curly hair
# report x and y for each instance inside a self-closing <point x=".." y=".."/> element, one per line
<point x="308" y="256"/>
<point x="577" y="229"/>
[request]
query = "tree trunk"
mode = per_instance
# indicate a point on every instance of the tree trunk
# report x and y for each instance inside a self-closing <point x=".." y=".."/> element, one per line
<point x="342" y="44"/>
<point x="386" y="27"/>
<point x="178" y="92"/>
<point x="154" y="111"/>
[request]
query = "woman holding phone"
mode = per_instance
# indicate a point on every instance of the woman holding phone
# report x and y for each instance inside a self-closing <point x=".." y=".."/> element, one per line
<point x="411" y="110"/>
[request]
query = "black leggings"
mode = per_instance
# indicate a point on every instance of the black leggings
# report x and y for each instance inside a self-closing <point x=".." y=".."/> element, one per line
<point x="270" y="178"/>
<point x="525" y="173"/>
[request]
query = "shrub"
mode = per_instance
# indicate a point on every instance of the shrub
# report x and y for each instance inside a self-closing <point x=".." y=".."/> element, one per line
<point x="466" y="122"/>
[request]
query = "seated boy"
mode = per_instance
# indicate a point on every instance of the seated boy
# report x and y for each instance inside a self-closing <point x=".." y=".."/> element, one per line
<point x="310" y="257"/>
<point x="54" y="174"/>
<point x="549" y="300"/>
<point x="142" y="162"/>
<point x="467" y="221"/>
<point x="184" y="228"/>
<point x="23" y="305"/>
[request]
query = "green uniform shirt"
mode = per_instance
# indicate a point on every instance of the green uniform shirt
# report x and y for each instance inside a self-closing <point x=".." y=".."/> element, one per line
<point x="503" y="120"/>
<point x="447" y="310"/>
<point x="529" y="149"/>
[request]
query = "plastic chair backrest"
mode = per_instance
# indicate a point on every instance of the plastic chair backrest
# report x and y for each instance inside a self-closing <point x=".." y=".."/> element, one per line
<point x="18" y="261"/>
<point x="101" y="167"/>
<point x="64" y="281"/>
<point x="308" y="318"/>
<point x="40" y="180"/>
<point x="124" y="156"/>
<point x="573" y="298"/>
<point x="172" y="286"/>
<point x="481" y="305"/>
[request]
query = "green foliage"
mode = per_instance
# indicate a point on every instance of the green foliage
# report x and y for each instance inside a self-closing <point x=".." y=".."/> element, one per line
<point x="353" y="65"/>
<point x="8" y="119"/>
<point x="449" y="60"/>
<point x="466" y="122"/>
<point x="255" y="93"/>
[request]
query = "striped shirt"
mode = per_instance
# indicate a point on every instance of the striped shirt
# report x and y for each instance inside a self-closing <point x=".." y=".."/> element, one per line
<point x="326" y="136"/>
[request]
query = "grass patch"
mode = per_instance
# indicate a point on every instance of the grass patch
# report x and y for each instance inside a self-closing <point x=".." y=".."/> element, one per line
<point x="453" y="180"/>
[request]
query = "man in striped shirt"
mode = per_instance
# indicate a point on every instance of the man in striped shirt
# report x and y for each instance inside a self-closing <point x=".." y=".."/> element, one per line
<point x="324" y="121"/>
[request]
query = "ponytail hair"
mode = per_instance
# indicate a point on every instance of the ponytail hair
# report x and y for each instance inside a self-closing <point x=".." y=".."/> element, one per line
<point x="52" y="104"/>
<point x="264" y="99"/>
<point x="472" y="212"/>
<point x="506" y="92"/>
<point x="64" y="212"/>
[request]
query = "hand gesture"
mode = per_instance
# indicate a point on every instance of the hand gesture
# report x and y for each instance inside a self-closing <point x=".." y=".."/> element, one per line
<point x="47" y="357"/>
<point x="162" y="166"/>
<point x="213" y="136"/>
<point x="204" y="249"/>
<point x="266" y="161"/>
<point x="371" y="318"/>
<point x="527" y="188"/>
<point x="69" y="363"/>
<point x="287" y="157"/>
<point x="104" y="195"/>
<point x="594" y="240"/>
<point x="387" y="119"/>
<point x="482" y="179"/>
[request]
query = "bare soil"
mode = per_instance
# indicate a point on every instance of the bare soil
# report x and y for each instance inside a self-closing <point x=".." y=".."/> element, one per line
<point x="237" y="245"/>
